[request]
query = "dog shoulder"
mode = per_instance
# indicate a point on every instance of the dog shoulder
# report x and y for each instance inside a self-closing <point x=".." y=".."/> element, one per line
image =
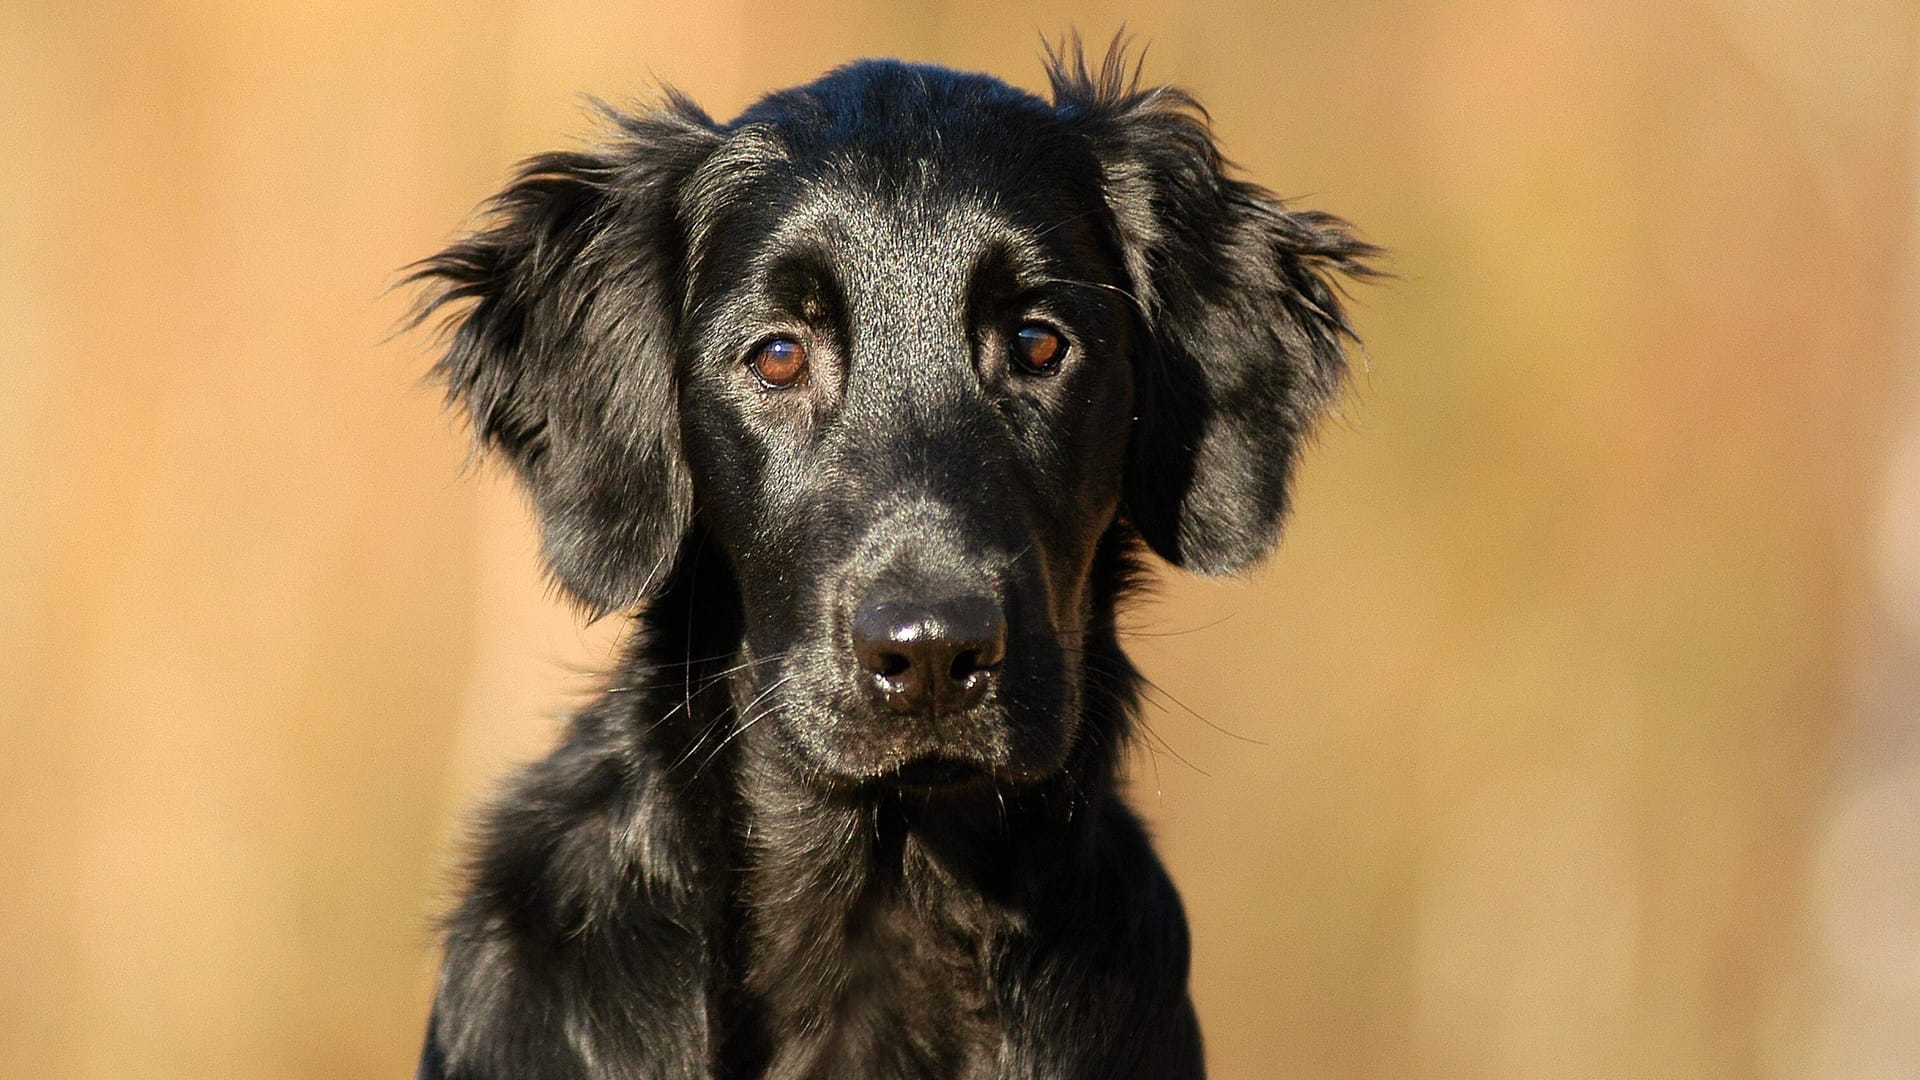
<point x="582" y="944"/>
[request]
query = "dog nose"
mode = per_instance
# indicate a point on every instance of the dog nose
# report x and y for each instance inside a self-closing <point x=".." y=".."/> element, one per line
<point x="930" y="657"/>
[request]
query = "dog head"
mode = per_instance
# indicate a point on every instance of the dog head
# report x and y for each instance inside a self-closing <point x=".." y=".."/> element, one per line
<point x="905" y="344"/>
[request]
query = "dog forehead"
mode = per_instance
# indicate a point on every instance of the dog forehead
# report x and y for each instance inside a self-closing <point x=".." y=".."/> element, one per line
<point x="916" y="219"/>
<point x="924" y="237"/>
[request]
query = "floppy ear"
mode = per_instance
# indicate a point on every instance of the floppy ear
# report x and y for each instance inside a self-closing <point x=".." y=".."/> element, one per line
<point x="565" y="305"/>
<point x="1245" y="329"/>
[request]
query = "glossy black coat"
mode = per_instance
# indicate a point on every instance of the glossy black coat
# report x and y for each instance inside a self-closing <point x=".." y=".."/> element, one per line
<point x="745" y="860"/>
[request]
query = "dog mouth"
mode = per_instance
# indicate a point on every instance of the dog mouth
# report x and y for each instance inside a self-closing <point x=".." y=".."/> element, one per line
<point x="937" y="773"/>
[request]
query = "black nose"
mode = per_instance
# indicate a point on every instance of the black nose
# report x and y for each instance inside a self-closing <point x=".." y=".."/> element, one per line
<point x="930" y="658"/>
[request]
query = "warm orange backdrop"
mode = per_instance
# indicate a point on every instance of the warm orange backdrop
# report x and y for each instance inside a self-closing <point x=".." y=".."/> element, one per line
<point x="1574" y="733"/>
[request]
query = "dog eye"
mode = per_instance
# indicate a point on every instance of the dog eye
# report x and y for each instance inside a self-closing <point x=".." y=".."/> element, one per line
<point x="1038" y="349"/>
<point x="779" y="363"/>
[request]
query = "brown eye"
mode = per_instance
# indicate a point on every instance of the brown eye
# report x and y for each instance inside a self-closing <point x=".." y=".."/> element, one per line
<point x="779" y="363"/>
<point x="1038" y="350"/>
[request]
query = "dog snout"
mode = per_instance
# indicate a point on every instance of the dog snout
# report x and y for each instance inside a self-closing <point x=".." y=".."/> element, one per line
<point x="930" y="657"/>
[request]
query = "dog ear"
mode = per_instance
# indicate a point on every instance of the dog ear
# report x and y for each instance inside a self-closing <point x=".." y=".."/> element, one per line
<point x="565" y="302"/>
<point x="1245" y="327"/>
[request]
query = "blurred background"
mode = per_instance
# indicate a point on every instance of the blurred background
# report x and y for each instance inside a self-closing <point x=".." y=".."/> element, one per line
<point x="1575" y="731"/>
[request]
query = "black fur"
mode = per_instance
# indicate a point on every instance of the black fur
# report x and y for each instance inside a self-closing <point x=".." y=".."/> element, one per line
<point x="739" y="862"/>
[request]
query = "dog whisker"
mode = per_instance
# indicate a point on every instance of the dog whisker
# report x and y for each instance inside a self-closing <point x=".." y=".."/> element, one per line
<point x="739" y="728"/>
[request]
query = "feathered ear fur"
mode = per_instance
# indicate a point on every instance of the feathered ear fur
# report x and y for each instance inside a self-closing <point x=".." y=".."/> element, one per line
<point x="565" y="303"/>
<point x="1245" y="325"/>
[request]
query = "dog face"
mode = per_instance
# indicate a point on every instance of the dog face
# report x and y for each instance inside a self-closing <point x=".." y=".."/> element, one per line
<point x="905" y="345"/>
<point x="905" y="405"/>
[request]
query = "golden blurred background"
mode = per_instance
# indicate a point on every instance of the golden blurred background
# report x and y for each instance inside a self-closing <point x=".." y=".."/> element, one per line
<point x="1575" y="732"/>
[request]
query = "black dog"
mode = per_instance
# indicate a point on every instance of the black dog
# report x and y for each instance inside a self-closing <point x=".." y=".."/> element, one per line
<point x="867" y="402"/>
